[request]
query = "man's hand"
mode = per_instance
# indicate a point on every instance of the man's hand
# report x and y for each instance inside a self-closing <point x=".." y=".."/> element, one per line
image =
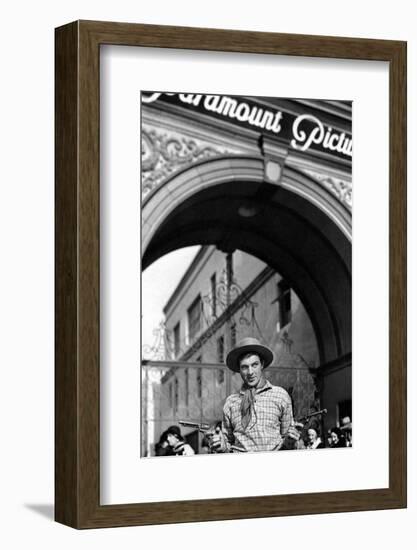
<point x="217" y="441"/>
<point x="294" y="432"/>
<point x="292" y="437"/>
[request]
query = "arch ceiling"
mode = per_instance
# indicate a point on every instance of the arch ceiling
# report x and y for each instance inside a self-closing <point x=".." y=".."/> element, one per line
<point x="297" y="228"/>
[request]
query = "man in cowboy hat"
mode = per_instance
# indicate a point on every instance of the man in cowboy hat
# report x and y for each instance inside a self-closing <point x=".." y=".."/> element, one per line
<point x="259" y="417"/>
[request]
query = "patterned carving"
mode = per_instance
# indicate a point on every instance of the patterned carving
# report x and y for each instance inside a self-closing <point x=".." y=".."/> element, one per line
<point x="342" y="189"/>
<point x="165" y="153"/>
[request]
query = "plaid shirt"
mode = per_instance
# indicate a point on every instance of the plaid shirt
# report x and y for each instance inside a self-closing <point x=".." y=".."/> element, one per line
<point x="269" y="422"/>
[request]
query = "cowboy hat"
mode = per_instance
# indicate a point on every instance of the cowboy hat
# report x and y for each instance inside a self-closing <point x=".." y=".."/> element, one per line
<point x="248" y="345"/>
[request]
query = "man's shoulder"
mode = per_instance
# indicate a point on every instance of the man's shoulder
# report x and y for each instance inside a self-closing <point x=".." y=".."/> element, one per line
<point x="232" y="398"/>
<point x="278" y="391"/>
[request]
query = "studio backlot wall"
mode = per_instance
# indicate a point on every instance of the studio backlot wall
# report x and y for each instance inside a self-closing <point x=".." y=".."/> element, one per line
<point x="27" y="274"/>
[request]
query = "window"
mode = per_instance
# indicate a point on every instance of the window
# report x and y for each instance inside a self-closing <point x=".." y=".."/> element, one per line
<point x="220" y="376"/>
<point x="199" y="384"/>
<point x="187" y="386"/>
<point x="284" y="301"/>
<point x="220" y="349"/>
<point x="213" y="295"/>
<point x="176" y="395"/>
<point x="170" y="395"/>
<point x="194" y="318"/>
<point x="233" y="334"/>
<point x="229" y="269"/>
<point x="199" y="378"/>
<point x="177" y="345"/>
<point x="344" y="410"/>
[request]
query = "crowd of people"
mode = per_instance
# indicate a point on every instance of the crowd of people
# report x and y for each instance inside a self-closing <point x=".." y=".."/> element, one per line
<point x="257" y="418"/>
<point x="336" y="437"/>
<point x="172" y="443"/>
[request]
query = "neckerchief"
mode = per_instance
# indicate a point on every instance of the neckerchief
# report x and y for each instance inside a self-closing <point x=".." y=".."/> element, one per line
<point x="248" y="403"/>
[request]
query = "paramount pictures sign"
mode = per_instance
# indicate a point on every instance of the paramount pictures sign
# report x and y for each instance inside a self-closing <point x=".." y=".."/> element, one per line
<point x="303" y="132"/>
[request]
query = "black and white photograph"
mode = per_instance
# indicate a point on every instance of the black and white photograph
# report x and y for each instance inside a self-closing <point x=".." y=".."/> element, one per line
<point x="246" y="276"/>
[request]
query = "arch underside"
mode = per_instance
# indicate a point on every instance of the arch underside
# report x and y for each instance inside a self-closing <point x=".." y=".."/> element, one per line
<point x="293" y="235"/>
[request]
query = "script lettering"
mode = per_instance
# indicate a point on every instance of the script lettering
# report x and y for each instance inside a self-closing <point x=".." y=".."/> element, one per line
<point x="316" y="135"/>
<point x="328" y="139"/>
<point x="153" y="97"/>
<point x="307" y="130"/>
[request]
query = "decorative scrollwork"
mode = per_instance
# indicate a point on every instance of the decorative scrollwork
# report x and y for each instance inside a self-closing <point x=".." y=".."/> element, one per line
<point x="164" y="154"/>
<point x="226" y="293"/>
<point x="342" y="189"/>
<point x="162" y="346"/>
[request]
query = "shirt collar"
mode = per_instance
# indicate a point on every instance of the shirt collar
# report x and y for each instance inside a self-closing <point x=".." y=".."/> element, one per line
<point x="266" y="386"/>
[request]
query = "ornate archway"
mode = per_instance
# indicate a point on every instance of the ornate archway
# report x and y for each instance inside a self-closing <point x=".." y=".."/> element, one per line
<point x="298" y="225"/>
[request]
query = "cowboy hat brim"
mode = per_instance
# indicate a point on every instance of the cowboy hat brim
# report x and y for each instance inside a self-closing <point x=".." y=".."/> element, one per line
<point x="232" y="359"/>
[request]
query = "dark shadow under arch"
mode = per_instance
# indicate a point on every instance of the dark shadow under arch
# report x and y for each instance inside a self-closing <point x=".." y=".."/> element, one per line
<point x="287" y="232"/>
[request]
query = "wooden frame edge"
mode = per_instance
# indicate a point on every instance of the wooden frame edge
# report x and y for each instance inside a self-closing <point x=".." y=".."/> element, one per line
<point x="398" y="272"/>
<point x="66" y="261"/>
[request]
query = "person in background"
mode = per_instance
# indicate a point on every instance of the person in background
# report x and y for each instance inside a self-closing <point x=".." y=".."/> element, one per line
<point x="178" y="443"/>
<point x="313" y="440"/>
<point x="346" y="428"/>
<point x="163" y="448"/>
<point x="337" y="438"/>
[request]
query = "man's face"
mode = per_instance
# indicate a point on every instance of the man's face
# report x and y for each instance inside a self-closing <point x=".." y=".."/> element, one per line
<point x="251" y="370"/>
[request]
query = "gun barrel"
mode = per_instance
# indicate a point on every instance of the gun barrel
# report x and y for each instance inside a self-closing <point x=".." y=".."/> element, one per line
<point x="202" y="427"/>
<point x="308" y="416"/>
<point x="322" y="411"/>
